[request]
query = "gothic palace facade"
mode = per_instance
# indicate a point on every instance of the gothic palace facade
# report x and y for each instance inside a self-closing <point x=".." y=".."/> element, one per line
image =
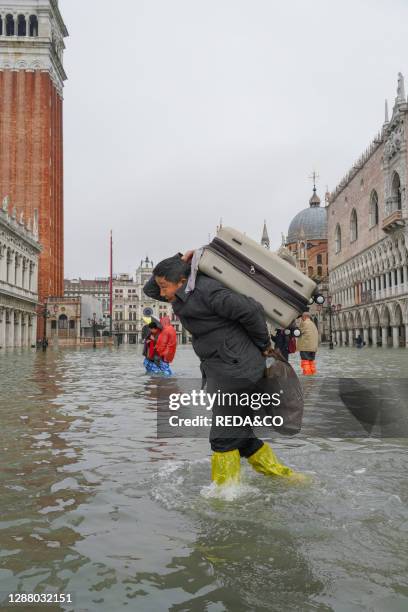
<point x="368" y="239"/>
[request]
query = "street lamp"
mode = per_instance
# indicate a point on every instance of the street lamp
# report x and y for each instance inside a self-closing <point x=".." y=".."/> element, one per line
<point x="116" y="327"/>
<point x="94" y="323"/>
<point x="331" y="308"/>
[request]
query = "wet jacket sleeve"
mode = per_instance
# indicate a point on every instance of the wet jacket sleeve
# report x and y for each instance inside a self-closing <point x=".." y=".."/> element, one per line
<point x="152" y="289"/>
<point x="244" y="310"/>
<point x="166" y="344"/>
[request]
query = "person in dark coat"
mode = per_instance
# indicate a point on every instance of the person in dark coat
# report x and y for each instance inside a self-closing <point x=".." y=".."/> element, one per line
<point x="359" y="341"/>
<point x="231" y="339"/>
<point x="281" y="341"/>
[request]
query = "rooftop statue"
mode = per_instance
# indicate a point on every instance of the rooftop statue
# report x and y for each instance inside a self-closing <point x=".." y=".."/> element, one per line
<point x="401" y="87"/>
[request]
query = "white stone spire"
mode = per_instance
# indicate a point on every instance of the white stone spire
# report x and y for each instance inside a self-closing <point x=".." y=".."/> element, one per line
<point x="265" y="238"/>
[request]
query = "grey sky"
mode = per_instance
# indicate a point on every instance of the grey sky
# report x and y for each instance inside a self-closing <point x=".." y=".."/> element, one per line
<point x="179" y="112"/>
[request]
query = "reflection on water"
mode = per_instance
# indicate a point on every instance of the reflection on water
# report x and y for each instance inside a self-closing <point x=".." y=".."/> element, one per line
<point x="93" y="504"/>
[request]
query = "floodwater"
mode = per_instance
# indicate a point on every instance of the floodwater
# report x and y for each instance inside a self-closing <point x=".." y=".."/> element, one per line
<point x="94" y="505"/>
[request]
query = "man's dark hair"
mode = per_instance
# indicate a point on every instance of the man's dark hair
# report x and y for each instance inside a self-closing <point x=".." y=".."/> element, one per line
<point x="173" y="269"/>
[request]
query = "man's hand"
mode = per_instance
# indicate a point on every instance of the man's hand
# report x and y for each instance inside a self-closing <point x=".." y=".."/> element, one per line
<point x="188" y="256"/>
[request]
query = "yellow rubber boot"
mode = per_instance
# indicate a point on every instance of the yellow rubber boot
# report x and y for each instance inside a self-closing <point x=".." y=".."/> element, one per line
<point x="225" y="467"/>
<point x="266" y="462"/>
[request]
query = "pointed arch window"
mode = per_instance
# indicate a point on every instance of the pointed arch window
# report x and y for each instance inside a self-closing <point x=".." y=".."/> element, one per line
<point x="396" y="192"/>
<point x="353" y="226"/>
<point x="337" y="238"/>
<point x="374" y="209"/>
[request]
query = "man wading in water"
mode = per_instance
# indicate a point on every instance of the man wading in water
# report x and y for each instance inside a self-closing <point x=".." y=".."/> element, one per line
<point x="231" y="339"/>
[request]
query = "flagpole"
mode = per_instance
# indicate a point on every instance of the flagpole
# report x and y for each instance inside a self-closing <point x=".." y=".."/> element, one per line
<point x="110" y="284"/>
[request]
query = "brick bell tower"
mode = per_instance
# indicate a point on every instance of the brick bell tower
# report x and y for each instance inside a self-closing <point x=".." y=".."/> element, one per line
<point x="32" y="36"/>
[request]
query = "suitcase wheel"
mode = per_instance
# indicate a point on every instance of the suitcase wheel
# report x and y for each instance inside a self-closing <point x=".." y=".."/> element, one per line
<point x="292" y="331"/>
<point x="316" y="299"/>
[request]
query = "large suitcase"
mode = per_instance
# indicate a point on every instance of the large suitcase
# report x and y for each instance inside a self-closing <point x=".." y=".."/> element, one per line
<point x="242" y="264"/>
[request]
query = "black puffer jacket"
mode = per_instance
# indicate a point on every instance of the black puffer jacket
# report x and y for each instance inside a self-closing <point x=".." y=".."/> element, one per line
<point x="228" y="330"/>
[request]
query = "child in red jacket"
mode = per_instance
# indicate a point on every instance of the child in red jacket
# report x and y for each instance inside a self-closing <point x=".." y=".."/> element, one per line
<point x="167" y="341"/>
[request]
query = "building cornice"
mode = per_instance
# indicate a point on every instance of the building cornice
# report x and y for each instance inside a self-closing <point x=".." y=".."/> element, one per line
<point x="16" y="295"/>
<point x="19" y="230"/>
<point x="29" y="55"/>
<point x="357" y="166"/>
<point x="400" y="110"/>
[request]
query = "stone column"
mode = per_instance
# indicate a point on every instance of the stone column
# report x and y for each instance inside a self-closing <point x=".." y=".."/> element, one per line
<point x="384" y="337"/>
<point x="23" y="329"/>
<point x="19" y="271"/>
<point x="366" y="336"/>
<point x="344" y="337"/>
<point x="33" y="338"/>
<point x="35" y="279"/>
<point x="10" y="329"/>
<point x="3" y="263"/>
<point x="351" y="337"/>
<point x="374" y="336"/>
<point x="30" y="276"/>
<point x="3" y="328"/>
<point x="24" y="273"/>
<point x="395" y="336"/>
<point x="27" y="340"/>
<point x="338" y="337"/>
<point x="406" y="336"/>
<point x="15" y="270"/>
<point x="17" y="330"/>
